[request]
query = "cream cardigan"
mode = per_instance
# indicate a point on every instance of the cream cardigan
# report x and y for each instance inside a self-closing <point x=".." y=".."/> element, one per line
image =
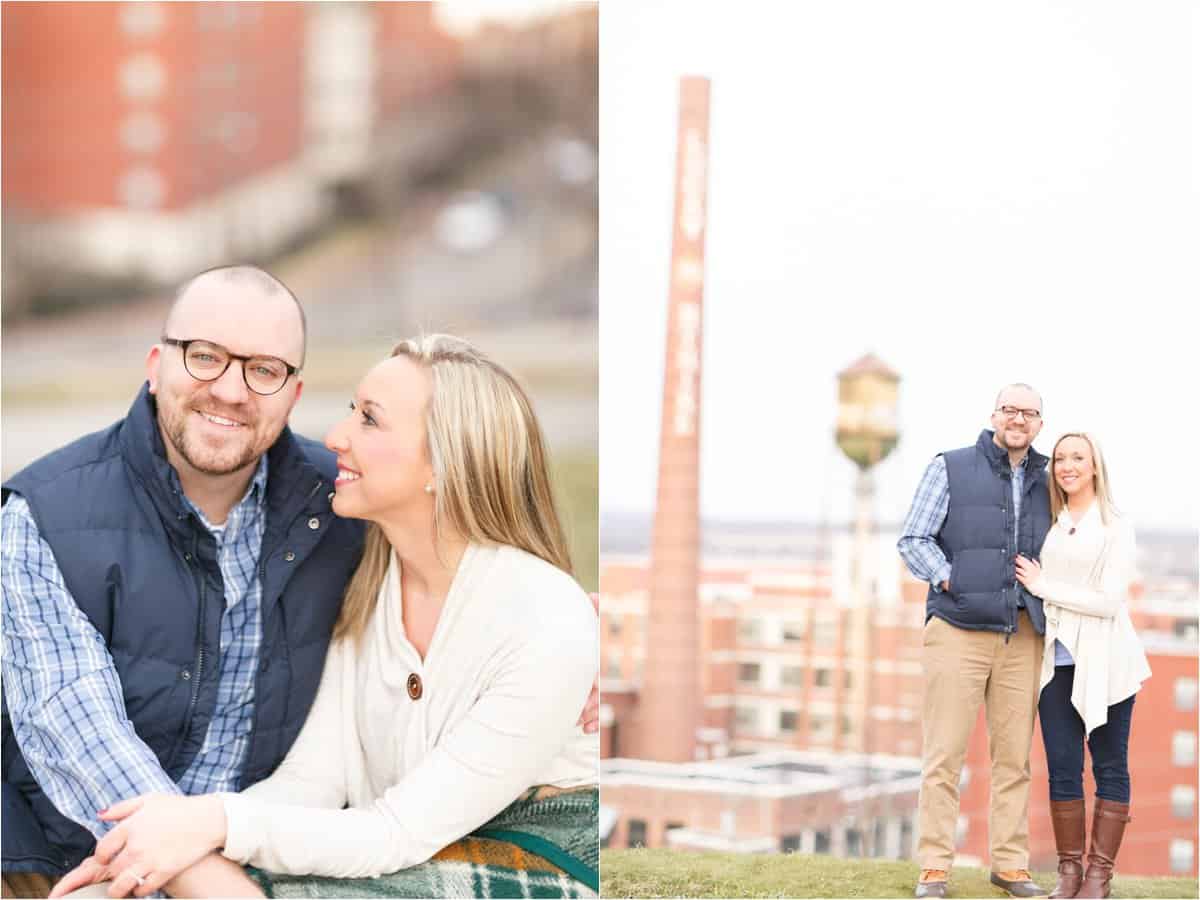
<point x="508" y="669"/>
<point x="1084" y="582"/>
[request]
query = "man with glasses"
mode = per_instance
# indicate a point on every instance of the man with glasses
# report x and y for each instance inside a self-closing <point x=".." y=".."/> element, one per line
<point x="170" y="586"/>
<point x="975" y="510"/>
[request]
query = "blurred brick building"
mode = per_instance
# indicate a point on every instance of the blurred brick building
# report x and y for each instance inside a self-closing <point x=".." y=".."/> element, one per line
<point x="784" y="800"/>
<point x="778" y="668"/>
<point x="145" y="140"/>
<point x="383" y="96"/>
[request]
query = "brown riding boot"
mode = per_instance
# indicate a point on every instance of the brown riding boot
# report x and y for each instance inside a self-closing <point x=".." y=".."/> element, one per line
<point x="1108" y="827"/>
<point x="1070" y="833"/>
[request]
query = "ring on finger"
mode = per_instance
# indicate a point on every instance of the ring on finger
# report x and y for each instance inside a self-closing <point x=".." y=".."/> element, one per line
<point x="138" y="878"/>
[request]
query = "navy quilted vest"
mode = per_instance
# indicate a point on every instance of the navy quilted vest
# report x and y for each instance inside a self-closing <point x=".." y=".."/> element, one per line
<point x="977" y="538"/>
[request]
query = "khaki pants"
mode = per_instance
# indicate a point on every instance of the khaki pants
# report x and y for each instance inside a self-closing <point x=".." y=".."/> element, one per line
<point x="963" y="669"/>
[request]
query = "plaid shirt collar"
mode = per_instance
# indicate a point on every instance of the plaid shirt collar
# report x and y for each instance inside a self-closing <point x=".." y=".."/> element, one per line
<point x="241" y="515"/>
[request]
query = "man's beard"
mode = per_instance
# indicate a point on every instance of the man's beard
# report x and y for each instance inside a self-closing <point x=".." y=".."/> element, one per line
<point x="174" y="426"/>
<point x="1007" y="445"/>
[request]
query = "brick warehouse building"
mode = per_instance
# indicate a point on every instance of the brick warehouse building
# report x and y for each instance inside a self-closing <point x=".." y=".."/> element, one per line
<point x="778" y="676"/>
<point x="148" y="140"/>
<point x="145" y="141"/>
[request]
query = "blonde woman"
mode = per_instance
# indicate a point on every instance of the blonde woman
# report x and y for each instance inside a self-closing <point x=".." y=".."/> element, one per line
<point x="1094" y="664"/>
<point x="462" y="657"/>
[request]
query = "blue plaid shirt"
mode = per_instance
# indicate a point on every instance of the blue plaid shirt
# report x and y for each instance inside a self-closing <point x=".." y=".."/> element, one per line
<point x="918" y="544"/>
<point x="64" y="696"/>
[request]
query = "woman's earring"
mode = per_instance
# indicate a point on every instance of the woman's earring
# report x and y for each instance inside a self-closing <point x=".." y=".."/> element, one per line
<point x="429" y="488"/>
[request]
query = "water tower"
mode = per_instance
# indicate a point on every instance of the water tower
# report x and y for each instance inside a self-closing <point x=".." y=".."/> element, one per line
<point x="867" y="431"/>
<point x="867" y="428"/>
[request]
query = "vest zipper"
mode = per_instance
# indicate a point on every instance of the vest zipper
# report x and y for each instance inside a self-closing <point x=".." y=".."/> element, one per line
<point x="198" y="669"/>
<point x="248" y="761"/>
<point x="199" y="649"/>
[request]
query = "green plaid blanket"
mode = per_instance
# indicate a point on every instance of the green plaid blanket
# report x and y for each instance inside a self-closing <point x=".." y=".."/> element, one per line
<point x="546" y="847"/>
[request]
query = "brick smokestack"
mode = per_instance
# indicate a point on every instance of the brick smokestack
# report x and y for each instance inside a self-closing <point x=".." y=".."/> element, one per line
<point x="669" y="705"/>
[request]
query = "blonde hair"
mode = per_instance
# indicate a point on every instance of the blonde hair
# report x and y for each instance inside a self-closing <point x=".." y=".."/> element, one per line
<point x="489" y="463"/>
<point x="1058" y="497"/>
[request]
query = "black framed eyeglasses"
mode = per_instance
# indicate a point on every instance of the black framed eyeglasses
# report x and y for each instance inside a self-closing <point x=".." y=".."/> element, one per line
<point x="1011" y="412"/>
<point x="206" y="361"/>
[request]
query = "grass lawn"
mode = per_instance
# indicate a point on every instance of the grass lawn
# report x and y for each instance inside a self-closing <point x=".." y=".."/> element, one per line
<point x="576" y="473"/>
<point x="666" y="873"/>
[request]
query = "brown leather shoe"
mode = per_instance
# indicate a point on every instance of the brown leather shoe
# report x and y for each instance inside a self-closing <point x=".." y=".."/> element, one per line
<point x="1070" y="834"/>
<point x="932" y="883"/>
<point x="1108" y="827"/>
<point x="1018" y="883"/>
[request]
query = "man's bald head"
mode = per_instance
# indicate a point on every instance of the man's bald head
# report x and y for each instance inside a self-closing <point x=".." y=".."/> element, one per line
<point x="1017" y="386"/>
<point x="251" y="281"/>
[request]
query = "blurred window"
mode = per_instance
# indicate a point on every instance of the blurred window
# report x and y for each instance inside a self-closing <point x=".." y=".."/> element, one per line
<point x="142" y="188"/>
<point x="879" y="843"/>
<point x="822" y="678"/>
<point x="821" y="841"/>
<point x="792" y="676"/>
<point x="749" y="673"/>
<point x="1183" y="801"/>
<point x="745" y="719"/>
<point x="1183" y="748"/>
<point x="749" y="631"/>
<point x="142" y="19"/>
<point x="728" y="821"/>
<point x="1185" y="694"/>
<point x="142" y="132"/>
<point x="853" y="842"/>
<point x="793" y="631"/>
<point x="637" y="833"/>
<point x="1182" y="855"/>
<point x="789" y="843"/>
<point x="142" y="77"/>
<point x="825" y="634"/>
<point x="787" y="720"/>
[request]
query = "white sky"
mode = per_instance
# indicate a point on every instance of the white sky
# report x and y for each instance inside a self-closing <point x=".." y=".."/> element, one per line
<point x="978" y="193"/>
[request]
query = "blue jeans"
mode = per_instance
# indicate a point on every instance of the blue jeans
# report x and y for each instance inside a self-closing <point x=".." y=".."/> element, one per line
<point x="1062" y="733"/>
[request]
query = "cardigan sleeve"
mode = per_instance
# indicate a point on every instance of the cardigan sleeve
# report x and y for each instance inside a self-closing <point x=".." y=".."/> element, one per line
<point x="1104" y="601"/>
<point x="314" y="771"/>
<point x="525" y="714"/>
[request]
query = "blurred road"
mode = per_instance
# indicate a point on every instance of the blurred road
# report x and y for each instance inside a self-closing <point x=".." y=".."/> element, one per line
<point x="568" y="420"/>
<point x="528" y="300"/>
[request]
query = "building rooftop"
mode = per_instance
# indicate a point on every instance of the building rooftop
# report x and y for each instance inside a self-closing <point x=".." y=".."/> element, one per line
<point x="779" y="773"/>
